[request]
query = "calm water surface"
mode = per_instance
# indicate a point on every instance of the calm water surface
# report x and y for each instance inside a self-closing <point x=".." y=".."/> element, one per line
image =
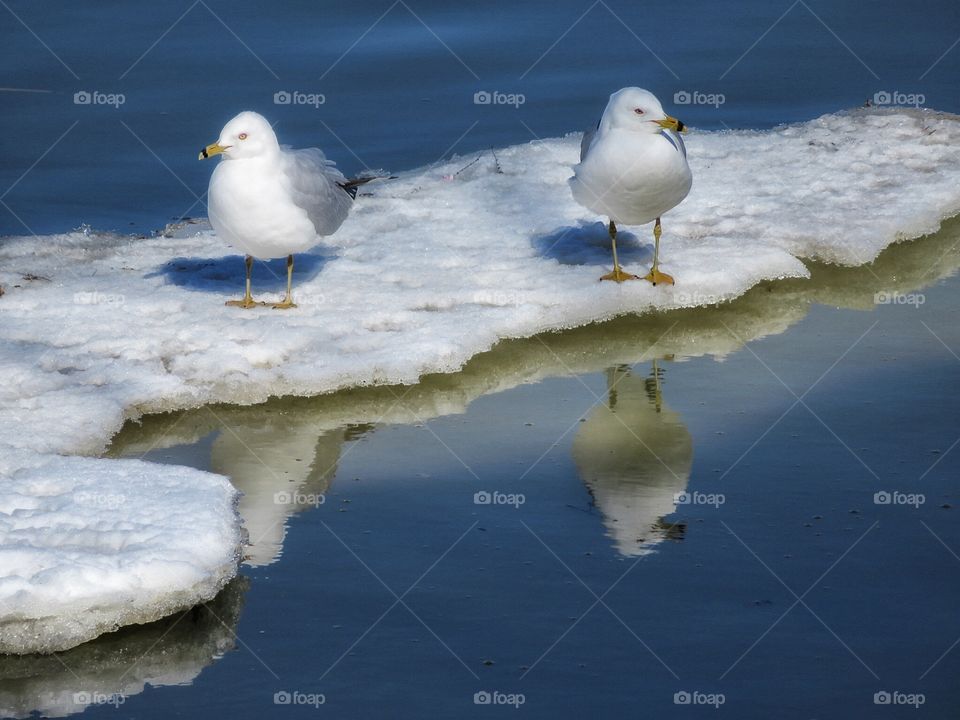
<point x="398" y="79"/>
<point x="594" y="520"/>
<point x="688" y="503"/>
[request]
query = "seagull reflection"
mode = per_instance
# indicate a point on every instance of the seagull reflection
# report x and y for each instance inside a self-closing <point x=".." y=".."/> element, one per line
<point x="634" y="454"/>
<point x="281" y="457"/>
<point x="282" y="465"/>
<point x="280" y="469"/>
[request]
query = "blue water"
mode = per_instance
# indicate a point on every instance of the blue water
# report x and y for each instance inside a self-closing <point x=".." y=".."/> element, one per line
<point x="498" y="598"/>
<point x="399" y="80"/>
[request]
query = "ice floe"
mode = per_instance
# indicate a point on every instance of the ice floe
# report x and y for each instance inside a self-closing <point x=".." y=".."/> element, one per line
<point x="87" y="546"/>
<point x="433" y="269"/>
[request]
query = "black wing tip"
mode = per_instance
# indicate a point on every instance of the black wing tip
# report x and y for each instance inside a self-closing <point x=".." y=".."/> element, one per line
<point x="352" y="186"/>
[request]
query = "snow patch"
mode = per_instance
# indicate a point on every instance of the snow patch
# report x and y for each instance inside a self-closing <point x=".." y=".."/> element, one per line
<point x="87" y="546"/>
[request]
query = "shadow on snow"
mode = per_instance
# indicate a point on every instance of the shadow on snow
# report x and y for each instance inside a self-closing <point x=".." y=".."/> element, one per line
<point x="226" y="274"/>
<point x="589" y="244"/>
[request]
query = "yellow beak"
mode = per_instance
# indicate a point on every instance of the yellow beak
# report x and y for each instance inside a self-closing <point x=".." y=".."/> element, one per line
<point x="214" y="149"/>
<point x="671" y="123"/>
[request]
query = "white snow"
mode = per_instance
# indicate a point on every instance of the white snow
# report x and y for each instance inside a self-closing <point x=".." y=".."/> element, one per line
<point x="87" y="546"/>
<point x="433" y="269"/>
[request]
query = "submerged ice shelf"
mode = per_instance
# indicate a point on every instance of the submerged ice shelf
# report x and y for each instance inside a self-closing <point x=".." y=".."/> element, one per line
<point x="433" y="269"/>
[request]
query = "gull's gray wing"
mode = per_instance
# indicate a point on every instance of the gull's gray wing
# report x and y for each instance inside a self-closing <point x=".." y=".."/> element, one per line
<point x="675" y="139"/>
<point x="588" y="136"/>
<point x="317" y="186"/>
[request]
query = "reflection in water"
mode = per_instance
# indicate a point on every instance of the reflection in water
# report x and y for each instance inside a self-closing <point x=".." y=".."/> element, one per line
<point x="281" y="461"/>
<point x="634" y="454"/>
<point x="281" y="467"/>
<point x="115" y="666"/>
<point x="283" y="454"/>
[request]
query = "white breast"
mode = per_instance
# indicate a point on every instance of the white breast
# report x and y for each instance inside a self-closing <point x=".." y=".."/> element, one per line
<point x="632" y="178"/>
<point x="252" y="211"/>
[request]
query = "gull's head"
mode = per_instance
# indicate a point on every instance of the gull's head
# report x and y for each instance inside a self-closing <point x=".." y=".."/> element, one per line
<point x="638" y="110"/>
<point x="248" y="135"/>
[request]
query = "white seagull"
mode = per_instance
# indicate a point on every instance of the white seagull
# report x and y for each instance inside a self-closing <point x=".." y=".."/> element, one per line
<point x="270" y="200"/>
<point x="633" y="168"/>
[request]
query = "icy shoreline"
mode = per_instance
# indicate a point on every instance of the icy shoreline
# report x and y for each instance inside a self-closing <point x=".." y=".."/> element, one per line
<point x="433" y="269"/>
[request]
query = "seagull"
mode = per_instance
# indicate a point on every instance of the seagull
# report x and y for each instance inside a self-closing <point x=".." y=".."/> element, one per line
<point x="633" y="168"/>
<point x="270" y="200"/>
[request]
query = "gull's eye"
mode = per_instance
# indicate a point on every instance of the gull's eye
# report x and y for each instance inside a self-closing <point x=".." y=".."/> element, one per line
<point x="638" y="111"/>
<point x="242" y="136"/>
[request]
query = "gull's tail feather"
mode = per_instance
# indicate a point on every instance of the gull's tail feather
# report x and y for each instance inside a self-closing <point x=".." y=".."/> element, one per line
<point x="352" y="186"/>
